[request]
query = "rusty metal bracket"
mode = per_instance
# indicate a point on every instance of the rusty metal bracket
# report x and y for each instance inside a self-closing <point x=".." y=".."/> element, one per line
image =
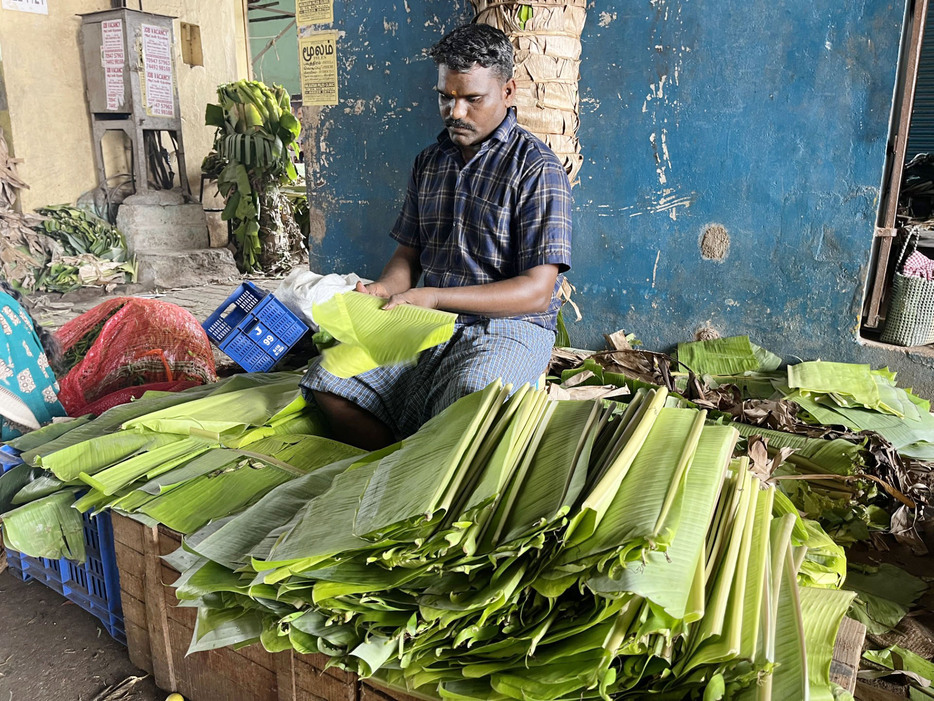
<point x="882" y="232"/>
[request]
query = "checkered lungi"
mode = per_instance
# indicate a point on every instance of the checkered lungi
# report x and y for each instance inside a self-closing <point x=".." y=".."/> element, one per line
<point x="406" y="396"/>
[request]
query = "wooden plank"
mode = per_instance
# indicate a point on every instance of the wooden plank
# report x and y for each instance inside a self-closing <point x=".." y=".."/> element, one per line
<point x="895" y="157"/>
<point x="219" y="674"/>
<point x="156" y="619"/>
<point x="170" y="598"/>
<point x="311" y="679"/>
<point x="847" y="652"/>
<point x="371" y="691"/>
<point x="169" y="540"/>
<point x="130" y="563"/>
<point x="159" y="634"/>
<point x="259" y="656"/>
<point x="285" y="676"/>
<point x="324" y="687"/>
<point x="134" y="610"/>
<point x="169" y="575"/>
<point x="866" y="692"/>
<point x="182" y="615"/>
<point x="127" y="532"/>
<point x="131" y="585"/>
<point x="132" y="590"/>
<point x="137" y="642"/>
<point x="314" y="665"/>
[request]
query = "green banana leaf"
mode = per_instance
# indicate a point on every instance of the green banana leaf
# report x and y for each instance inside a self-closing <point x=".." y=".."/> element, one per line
<point x="370" y="337"/>
<point x="409" y="484"/>
<point x="734" y="355"/>
<point x="846" y="384"/>
<point x="663" y="577"/>
<point x="48" y="527"/>
<point x="822" y="611"/>
<point x="919" y="671"/>
<point x="884" y="595"/>
<point x="223" y="412"/>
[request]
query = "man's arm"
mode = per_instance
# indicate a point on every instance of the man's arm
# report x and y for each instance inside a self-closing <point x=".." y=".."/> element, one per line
<point x="526" y="293"/>
<point x="400" y="274"/>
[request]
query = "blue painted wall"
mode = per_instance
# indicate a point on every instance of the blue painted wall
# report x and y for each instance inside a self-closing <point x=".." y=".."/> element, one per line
<point x="767" y="119"/>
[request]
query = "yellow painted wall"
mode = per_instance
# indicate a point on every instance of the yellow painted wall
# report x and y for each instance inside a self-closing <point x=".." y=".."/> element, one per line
<point x="47" y="109"/>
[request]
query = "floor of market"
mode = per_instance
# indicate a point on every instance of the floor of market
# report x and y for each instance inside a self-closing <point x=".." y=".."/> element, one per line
<point x="52" y="650"/>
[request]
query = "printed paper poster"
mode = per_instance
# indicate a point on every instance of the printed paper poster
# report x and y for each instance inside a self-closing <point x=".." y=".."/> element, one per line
<point x="39" y="7"/>
<point x="314" y="12"/>
<point x="113" y="58"/>
<point x="157" y="63"/>
<point x="317" y="57"/>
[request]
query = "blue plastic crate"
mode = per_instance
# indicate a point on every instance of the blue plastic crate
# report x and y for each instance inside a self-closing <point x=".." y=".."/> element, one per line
<point x="93" y="585"/>
<point x="254" y="328"/>
<point x="9" y="458"/>
<point x="41" y="569"/>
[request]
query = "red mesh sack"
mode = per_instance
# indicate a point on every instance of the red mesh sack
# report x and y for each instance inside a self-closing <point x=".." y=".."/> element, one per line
<point x="127" y="342"/>
<point x="122" y="396"/>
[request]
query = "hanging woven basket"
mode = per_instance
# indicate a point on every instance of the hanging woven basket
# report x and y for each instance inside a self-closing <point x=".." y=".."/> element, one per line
<point x="910" y="318"/>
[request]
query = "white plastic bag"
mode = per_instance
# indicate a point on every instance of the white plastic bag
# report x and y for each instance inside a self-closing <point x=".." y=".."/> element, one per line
<point x="302" y="289"/>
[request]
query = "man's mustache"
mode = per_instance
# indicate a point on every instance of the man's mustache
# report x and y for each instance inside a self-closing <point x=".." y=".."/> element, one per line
<point x="457" y="124"/>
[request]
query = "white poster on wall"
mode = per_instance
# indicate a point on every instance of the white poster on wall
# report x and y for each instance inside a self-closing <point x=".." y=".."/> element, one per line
<point x="39" y="7"/>
<point x="113" y="58"/>
<point x="318" y="68"/>
<point x="157" y="62"/>
<point x="314" y="12"/>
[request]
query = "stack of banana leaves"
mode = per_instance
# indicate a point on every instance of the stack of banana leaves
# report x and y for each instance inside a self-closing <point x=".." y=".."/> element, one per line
<point x="515" y="547"/>
<point x="845" y="443"/>
<point x="86" y="251"/>
<point x="180" y="458"/>
<point x="523" y="548"/>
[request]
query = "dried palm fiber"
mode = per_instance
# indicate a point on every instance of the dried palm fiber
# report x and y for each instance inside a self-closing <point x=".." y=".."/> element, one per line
<point x="548" y="50"/>
<point x="10" y="182"/>
<point x="22" y="251"/>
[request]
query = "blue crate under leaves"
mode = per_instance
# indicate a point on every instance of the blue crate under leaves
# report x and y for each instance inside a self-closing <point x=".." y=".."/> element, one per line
<point x="9" y="458"/>
<point x="93" y="585"/>
<point x="254" y="328"/>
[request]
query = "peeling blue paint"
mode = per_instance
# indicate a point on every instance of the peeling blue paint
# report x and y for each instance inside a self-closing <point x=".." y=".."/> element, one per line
<point x="767" y="118"/>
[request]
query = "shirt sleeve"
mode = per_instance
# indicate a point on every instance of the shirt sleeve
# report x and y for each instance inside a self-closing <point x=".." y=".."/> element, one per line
<point x="544" y="218"/>
<point x="406" y="228"/>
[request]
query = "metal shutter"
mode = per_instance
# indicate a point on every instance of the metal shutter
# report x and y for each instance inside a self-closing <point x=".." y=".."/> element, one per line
<point x="921" y="131"/>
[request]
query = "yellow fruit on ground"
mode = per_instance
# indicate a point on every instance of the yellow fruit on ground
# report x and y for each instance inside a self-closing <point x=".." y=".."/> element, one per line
<point x="174" y="697"/>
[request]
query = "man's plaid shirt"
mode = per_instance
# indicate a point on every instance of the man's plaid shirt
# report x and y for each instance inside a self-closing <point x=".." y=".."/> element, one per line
<point x="504" y="212"/>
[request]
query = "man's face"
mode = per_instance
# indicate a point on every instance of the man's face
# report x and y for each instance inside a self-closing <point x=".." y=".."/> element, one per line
<point x="473" y="104"/>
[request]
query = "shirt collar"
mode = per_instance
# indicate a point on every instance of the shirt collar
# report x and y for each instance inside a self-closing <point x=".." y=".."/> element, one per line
<point x="501" y="133"/>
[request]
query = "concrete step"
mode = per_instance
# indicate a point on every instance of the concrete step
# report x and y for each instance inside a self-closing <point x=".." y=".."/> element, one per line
<point x="166" y="268"/>
<point x="172" y="227"/>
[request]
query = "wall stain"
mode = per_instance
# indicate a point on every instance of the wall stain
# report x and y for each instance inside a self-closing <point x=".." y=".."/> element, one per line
<point x="714" y="242"/>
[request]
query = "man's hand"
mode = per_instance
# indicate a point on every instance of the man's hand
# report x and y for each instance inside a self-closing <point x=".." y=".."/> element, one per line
<point x="417" y="296"/>
<point x="526" y="293"/>
<point x="399" y="276"/>
<point x="377" y="289"/>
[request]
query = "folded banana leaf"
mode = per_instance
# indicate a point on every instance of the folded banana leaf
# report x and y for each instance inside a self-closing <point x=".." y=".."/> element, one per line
<point x="478" y="599"/>
<point x="370" y="337"/>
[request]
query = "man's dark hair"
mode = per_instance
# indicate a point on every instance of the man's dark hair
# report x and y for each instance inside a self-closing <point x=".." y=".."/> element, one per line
<point x="473" y="44"/>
